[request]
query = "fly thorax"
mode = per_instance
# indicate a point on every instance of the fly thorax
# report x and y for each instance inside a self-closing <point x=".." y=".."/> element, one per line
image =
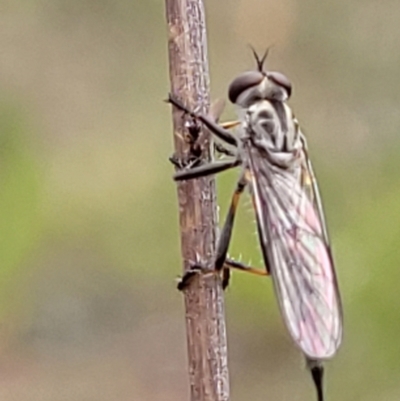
<point x="263" y="124"/>
<point x="271" y="129"/>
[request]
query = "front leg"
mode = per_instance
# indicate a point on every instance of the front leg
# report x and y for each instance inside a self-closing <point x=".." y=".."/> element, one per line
<point x="185" y="163"/>
<point x="208" y="121"/>
<point x="192" y="137"/>
<point x="195" y="139"/>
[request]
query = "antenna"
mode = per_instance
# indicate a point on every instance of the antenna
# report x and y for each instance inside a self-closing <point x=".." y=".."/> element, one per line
<point x="259" y="61"/>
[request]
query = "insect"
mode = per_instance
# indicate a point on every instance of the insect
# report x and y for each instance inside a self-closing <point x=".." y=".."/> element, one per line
<point x="275" y="166"/>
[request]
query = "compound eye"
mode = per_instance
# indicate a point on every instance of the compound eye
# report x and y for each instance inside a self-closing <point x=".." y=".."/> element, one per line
<point x="281" y="80"/>
<point x="243" y="82"/>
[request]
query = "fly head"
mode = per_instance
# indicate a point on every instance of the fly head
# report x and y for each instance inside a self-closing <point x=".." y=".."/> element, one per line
<point x="254" y="86"/>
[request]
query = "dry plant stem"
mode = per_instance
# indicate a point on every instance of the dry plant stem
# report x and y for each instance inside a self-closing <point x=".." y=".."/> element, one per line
<point x="205" y="324"/>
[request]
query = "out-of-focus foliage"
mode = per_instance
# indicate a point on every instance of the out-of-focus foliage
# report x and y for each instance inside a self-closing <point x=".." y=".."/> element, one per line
<point x="89" y="230"/>
<point x="19" y="200"/>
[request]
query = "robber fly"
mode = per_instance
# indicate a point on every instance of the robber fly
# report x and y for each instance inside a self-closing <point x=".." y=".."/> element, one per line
<point x="273" y="155"/>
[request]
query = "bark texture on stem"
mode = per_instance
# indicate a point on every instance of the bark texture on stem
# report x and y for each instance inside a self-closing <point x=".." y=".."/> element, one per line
<point x="204" y="303"/>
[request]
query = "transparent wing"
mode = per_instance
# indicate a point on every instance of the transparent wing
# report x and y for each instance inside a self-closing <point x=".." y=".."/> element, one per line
<point x="295" y="246"/>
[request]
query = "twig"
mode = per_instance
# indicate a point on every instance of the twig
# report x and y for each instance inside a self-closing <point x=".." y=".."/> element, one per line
<point x="205" y="324"/>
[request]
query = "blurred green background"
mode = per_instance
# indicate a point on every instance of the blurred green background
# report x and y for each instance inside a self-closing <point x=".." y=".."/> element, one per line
<point x="89" y="229"/>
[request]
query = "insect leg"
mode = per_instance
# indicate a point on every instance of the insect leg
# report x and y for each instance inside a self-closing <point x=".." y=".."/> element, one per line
<point x="228" y="265"/>
<point x="233" y="264"/>
<point x="226" y="233"/>
<point x="223" y="243"/>
<point x="208" y="121"/>
<point x="223" y="150"/>
<point x="230" y="124"/>
<point x="206" y="169"/>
